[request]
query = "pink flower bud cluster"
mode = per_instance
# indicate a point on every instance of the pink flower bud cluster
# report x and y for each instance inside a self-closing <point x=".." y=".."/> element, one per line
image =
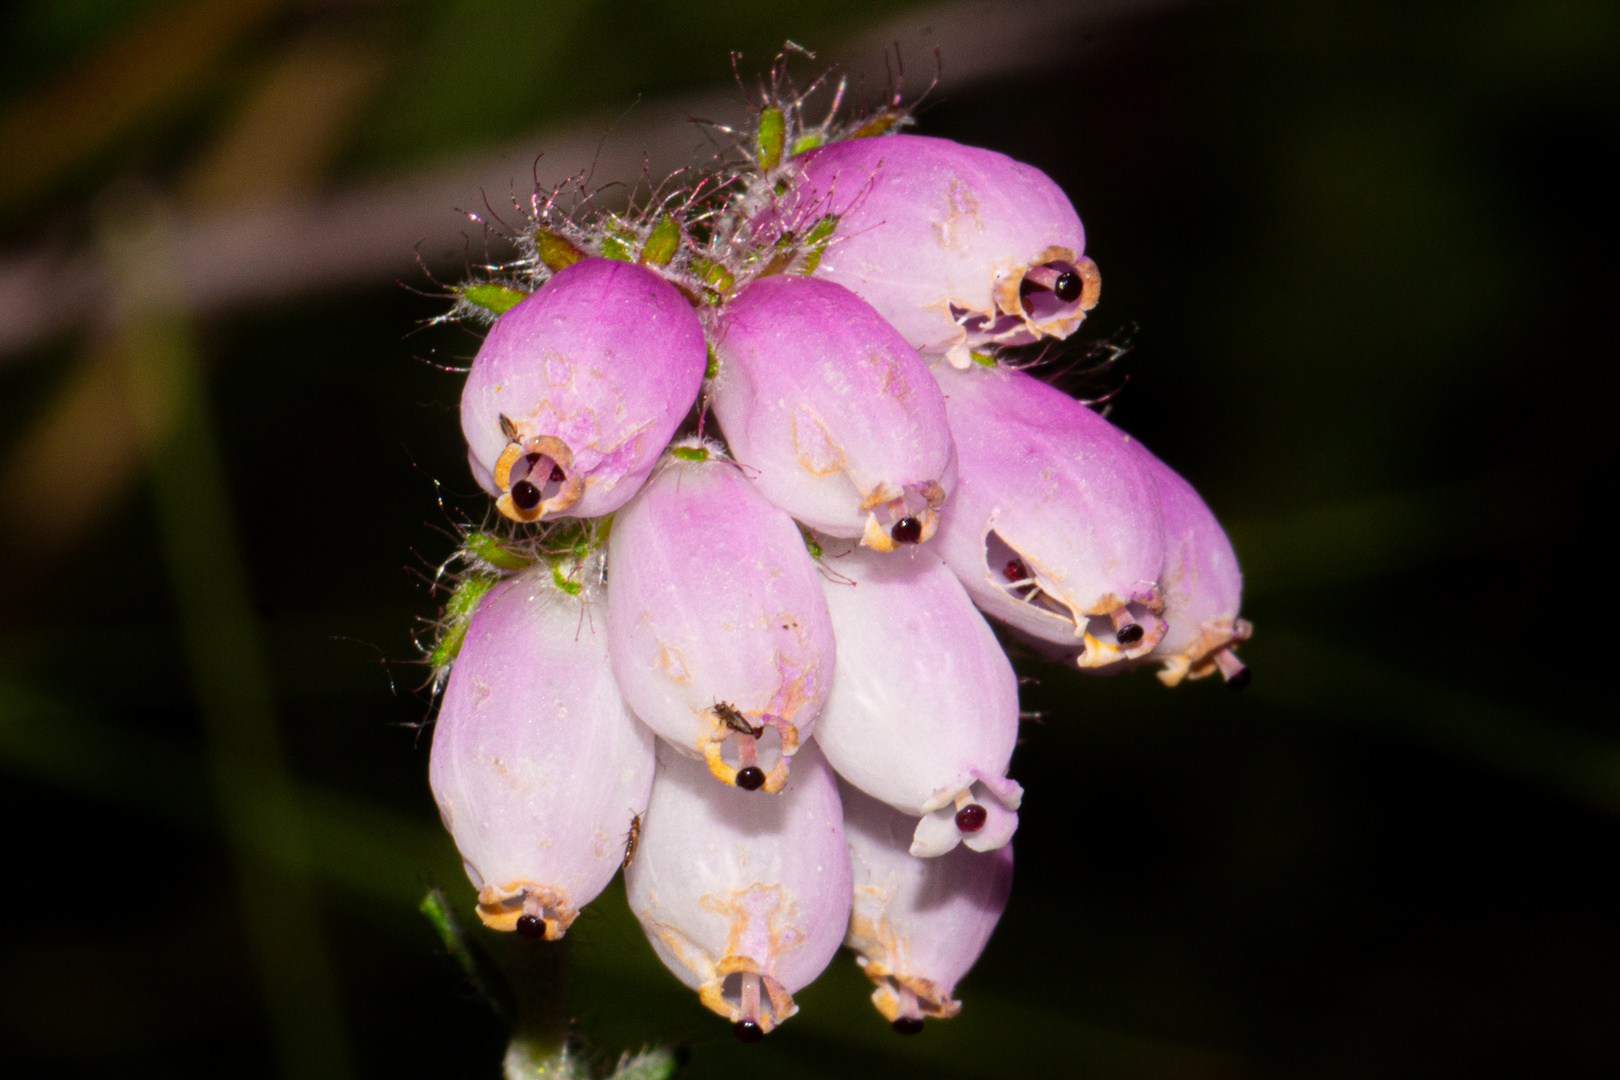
<point x="758" y="674"/>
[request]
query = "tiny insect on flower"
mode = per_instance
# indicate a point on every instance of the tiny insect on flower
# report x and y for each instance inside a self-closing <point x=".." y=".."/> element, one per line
<point x="1055" y="526"/>
<point x="745" y="900"/>
<point x="957" y="246"/>
<point x="631" y="839"/>
<point x="578" y="388"/>
<point x="833" y="414"/>
<point x="716" y="622"/>
<point x="535" y="757"/>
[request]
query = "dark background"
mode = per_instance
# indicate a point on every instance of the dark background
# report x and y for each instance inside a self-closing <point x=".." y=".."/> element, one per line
<point x="1367" y="250"/>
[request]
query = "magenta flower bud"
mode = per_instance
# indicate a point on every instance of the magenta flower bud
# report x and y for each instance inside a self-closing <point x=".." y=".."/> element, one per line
<point x="578" y="388"/>
<point x="1055" y="526"/>
<point x="715" y="620"/>
<point x="917" y="925"/>
<point x="746" y="900"/>
<point x="923" y="712"/>
<point x="537" y="767"/>
<point x="1201" y="583"/>
<point x="958" y="247"/>
<point x="832" y="413"/>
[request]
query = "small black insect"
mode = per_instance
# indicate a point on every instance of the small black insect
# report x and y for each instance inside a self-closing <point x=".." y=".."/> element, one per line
<point x="735" y="720"/>
<point x="631" y="839"/>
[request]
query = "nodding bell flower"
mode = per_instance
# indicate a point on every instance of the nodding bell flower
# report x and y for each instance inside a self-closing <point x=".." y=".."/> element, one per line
<point x="923" y="712"/>
<point x="835" y="417"/>
<point x="578" y="388"/>
<point x="537" y="767"/>
<point x="917" y="925"/>
<point x="1202" y="587"/>
<point x="746" y="900"/>
<point x="1055" y="526"/>
<point x="958" y="247"/>
<point x="716" y="624"/>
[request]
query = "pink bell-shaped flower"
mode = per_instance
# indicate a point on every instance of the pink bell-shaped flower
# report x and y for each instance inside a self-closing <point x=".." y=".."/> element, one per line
<point x="538" y="768"/>
<point x="1201" y="584"/>
<point x="1055" y="526"/>
<point x="715" y="620"/>
<point x="578" y="388"/>
<point x="958" y="247"/>
<point x="746" y="900"/>
<point x="917" y="925"/>
<point x="833" y="415"/>
<point x="923" y="712"/>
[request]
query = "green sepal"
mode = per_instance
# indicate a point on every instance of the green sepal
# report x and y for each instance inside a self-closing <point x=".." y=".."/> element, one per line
<point x="559" y="579"/>
<point x="614" y="248"/>
<point x="808" y="142"/>
<point x="655" y="1064"/>
<point x="817" y="240"/>
<point x="876" y="126"/>
<point x="690" y="453"/>
<point x="768" y="138"/>
<point x="554" y="250"/>
<point x="711" y="369"/>
<point x="458" y="612"/>
<point x="810" y="544"/>
<point x="662" y="243"/>
<point x="484" y="546"/>
<point x="491" y="297"/>
<point x="984" y="359"/>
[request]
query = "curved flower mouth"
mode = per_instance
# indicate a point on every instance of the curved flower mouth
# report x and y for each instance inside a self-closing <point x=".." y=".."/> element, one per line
<point x="1212" y="652"/>
<point x="536" y="476"/>
<point x="905" y="999"/>
<point x="1047" y="297"/>
<point x="1111" y="630"/>
<point x="761" y="751"/>
<point x="910" y="516"/>
<point x="983" y="814"/>
<point x="754" y="1003"/>
<point x="533" y="910"/>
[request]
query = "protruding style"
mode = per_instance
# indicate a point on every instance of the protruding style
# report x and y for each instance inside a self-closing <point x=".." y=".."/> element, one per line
<point x="959" y="247"/>
<point x="833" y="415"/>
<point x="917" y="925"/>
<point x="923" y="712"/>
<point x="1055" y="526"/>
<point x="745" y="900"/>
<point x="537" y="766"/>
<point x="719" y="634"/>
<point x="578" y="388"/>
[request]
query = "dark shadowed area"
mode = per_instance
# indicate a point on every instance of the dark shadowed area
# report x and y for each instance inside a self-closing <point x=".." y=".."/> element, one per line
<point x="1364" y="254"/>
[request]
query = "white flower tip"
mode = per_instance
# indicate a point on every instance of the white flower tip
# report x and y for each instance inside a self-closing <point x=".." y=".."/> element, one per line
<point x="905" y="999"/>
<point x="754" y="1003"/>
<point x="984" y="816"/>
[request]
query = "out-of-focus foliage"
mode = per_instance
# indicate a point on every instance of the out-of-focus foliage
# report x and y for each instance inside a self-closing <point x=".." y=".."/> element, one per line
<point x="1367" y="247"/>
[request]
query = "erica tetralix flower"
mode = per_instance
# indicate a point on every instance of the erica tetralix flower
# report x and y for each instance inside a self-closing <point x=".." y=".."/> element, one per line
<point x="923" y="712"/>
<point x="746" y="900"/>
<point x="718" y="631"/>
<point x="537" y="766"/>
<point x="833" y="415"/>
<point x="917" y="925"/>
<point x="957" y="246"/>
<point x="1055" y="526"/>
<point x="1201" y="584"/>
<point x="578" y="388"/>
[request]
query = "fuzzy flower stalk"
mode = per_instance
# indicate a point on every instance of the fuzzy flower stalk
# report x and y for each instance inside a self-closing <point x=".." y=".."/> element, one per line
<point x="769" y="453"/>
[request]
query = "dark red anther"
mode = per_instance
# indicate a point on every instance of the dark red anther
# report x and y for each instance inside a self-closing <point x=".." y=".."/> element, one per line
<point x="531" y="926"/>
<point x="748" y="1031"/>
<point x="971" y="818"/>
<point x="525" y="496"/>
<point x="1068" y="287"/>
<point x="908" y="530"/>
<point x="908" y="1025"/>
<point x="557" y="474"/>
<point x="751" y="779"/>
<point x="1015" y="570"/>
<point x="1239" y="679"/>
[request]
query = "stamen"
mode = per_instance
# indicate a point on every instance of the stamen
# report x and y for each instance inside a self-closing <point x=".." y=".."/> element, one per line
<point x="971" y="818"/>
<point x="531" y="926"/>
<point x="525" y="496"/>
<point x="1127" y="631"/>
<point x="909" y="1020"/>
<point x="1233" y="670"/>
<point x="748" y="1029"/>
<point x="908" y="530"/>
<point x="751" y="778"/>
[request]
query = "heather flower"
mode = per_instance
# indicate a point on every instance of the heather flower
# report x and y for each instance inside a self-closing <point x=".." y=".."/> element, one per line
<point x="715" y="620"/>
<point x="578" y="388"/>
<point x="959" y="247"/>
<point x="1201" y="584"/>
<point x="746" y="900"/>
<point x="1055" y="525"/>
<point x="917" y="925"/>
<point x="923" y="712"/>
<point x="537" y="767"/>
<point x="833" y="415"/>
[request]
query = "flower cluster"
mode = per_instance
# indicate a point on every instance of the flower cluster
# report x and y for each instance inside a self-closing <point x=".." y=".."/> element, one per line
<point x="758" y="673"/>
